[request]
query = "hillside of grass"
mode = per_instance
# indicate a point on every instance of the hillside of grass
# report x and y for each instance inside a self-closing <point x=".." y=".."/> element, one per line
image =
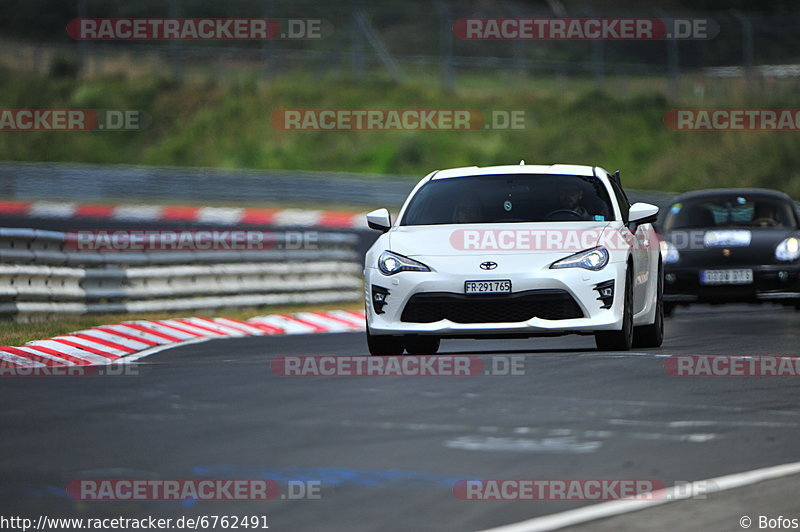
<point x="210" y="123"/>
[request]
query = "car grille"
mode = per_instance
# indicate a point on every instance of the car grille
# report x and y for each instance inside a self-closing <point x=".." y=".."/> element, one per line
<point x="460" y="308"/>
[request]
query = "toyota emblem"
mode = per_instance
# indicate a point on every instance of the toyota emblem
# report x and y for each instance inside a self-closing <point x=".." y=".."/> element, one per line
<point x="488" y="265"/>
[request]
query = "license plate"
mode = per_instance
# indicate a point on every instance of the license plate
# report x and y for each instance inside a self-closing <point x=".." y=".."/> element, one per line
<point x="487" y="287"/>
<point x="726" y="277"/>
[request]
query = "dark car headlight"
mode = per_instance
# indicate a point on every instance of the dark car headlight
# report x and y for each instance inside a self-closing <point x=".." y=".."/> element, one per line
<point x="390" y="263"/>
<point x="669" y="253"/>
<point x="788" y="250"/>
<point x="592" y="259"/>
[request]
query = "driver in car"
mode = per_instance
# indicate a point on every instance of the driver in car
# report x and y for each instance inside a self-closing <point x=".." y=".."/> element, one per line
<point x="466" y="211"/>
<point x="570" y="196"/>
<point x="765" y="215"/>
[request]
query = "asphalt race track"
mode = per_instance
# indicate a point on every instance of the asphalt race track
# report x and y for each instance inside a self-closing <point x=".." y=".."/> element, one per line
<point x="386" y="451"/>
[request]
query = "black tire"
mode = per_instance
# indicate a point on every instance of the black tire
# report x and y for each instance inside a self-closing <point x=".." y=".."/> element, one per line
<point x="653" y="335"/>
<point x="422" y="345"/>
<point x="621" y="340"/>
<point x="381" y="346"/>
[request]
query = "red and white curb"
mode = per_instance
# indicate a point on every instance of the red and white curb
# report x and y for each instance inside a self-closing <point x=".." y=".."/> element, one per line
<point x="208" y="215"/>
<point x="129" y="341"/>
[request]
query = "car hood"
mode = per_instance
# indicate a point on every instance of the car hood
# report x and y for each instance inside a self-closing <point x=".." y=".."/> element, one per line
<point x="745" y="246"/>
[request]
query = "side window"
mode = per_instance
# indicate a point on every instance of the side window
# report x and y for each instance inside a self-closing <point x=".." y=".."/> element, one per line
<point x="622" y="199"/>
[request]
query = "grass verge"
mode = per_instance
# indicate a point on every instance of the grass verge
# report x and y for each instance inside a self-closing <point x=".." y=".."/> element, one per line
<point x="229" y="125"/>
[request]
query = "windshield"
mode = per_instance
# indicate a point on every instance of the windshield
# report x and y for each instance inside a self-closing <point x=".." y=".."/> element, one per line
<point x="731" y="211"/>
<point x="509" y="198"/>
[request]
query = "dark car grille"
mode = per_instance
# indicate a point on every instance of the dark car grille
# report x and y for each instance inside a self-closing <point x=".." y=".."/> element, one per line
<point x="522" y="306"/>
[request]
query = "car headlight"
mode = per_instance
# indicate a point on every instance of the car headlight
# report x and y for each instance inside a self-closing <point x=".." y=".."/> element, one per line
<point x="669" y="253"/>
<point x="390" y="263"/>
<point x="788" y="250"/>
<point x="592" y="259"/>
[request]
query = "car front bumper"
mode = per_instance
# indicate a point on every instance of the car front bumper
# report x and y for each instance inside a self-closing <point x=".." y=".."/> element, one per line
<point x="577" y="284"/>
<point x="770" y="283"/>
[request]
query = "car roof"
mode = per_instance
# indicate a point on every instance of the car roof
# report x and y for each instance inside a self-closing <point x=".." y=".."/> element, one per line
<point x="712" y="192"/>
<point x="553" y="169"/>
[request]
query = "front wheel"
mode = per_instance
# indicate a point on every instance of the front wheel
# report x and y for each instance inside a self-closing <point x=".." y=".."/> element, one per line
<point x="653" y="335"/>
<point x="384" y="345"/>
<point x="621" y="340"/>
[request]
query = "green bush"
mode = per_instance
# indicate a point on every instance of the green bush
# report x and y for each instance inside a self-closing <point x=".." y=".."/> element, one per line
<point x="228" y="124"/>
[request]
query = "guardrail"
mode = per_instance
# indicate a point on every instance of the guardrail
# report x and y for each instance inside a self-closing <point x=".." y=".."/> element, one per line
<point x="65" y="182"/>
<point x="97" y="182"/>
<point x="41" y="275"/>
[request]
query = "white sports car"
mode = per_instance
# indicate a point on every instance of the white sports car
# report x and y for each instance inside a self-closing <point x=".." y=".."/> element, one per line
<point x="514" y="251"/>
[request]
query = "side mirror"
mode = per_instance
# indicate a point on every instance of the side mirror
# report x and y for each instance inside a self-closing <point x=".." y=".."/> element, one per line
<point x="379" y="220"/>
<point x="642" y="213"/>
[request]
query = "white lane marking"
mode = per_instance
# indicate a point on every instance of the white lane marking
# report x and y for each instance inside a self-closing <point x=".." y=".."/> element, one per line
<point x="120" y="340"/>
<point x="702" y="423"/>
<point x="183" y="331"/>
<point x="324" y="322"/>
<point x="546" y="445"/>
<point x="18" y="361"/>
<point x="289" y="326"/>
<point x="89" y="343"/>
<point x="547" y="434"/>
<point x="693" y="438"/>
<point x="70" y="350"/>
<point x="240" y="326"/>
<point x="660" y="404"/>
<point x="613" y="508"/>
<point x="47" y="209"/>
<point x="157" y="349"/>
<point x="31" y="349"/>
<point x="137" y="212"/>
<point x="214" y="326"/>
<point x="297" y="217"/>
<point x="358" y="323"/>
<point x="221" y="215"/>
<point x="126" y="329"/>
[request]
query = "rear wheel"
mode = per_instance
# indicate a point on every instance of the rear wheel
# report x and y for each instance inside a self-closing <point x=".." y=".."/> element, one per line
<point x="384" y="345"/>
<point x="621" y="340"/>
<point x="653" y="335"/>
<point x="422" y="345"/>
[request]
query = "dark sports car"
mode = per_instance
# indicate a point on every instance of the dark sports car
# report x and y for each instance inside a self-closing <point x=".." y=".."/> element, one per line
<point x="731" y="245"/>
